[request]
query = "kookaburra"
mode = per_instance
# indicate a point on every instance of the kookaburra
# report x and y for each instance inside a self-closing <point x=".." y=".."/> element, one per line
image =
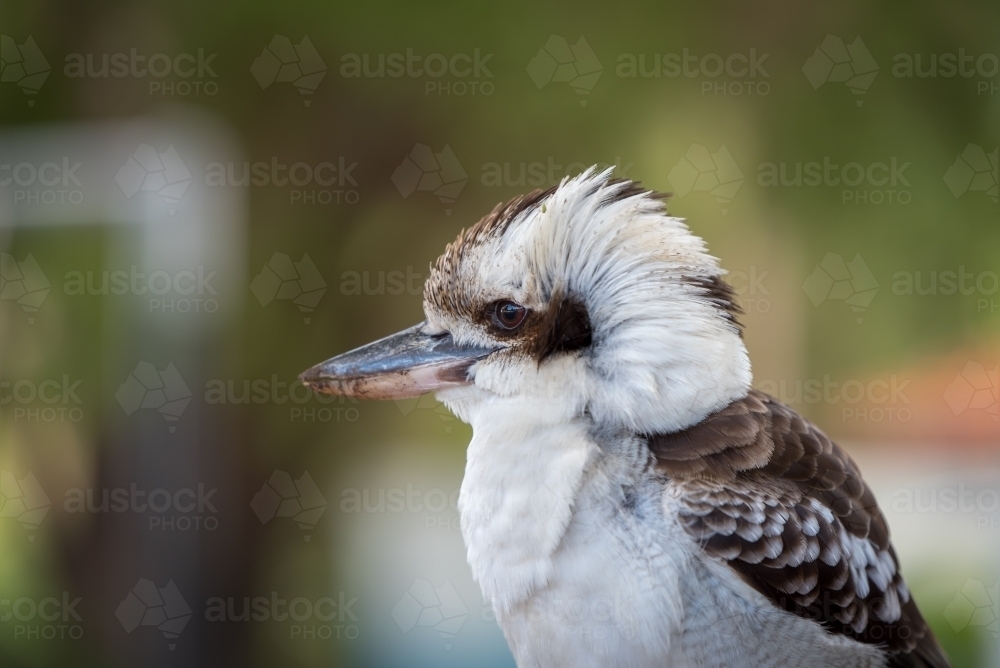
<point x="628" y="499"/>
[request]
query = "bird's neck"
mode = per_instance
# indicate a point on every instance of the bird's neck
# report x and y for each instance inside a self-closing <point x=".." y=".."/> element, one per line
<point x="526" y="465"/>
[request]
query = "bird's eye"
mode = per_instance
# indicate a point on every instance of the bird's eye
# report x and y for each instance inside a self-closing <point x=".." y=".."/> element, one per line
<point x="508" y="315"/>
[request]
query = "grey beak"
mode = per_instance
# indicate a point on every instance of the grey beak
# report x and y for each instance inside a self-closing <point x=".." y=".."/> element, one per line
<point x="406" y="364"/>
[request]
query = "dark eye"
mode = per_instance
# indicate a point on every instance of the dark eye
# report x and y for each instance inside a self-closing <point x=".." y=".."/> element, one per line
<point x="508" y="315"/>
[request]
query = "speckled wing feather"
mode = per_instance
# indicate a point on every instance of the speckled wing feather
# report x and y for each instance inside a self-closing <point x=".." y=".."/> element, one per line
<point x="770" y="494"/>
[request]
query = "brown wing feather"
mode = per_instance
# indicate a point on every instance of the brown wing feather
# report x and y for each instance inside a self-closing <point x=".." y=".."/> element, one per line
<point x="770" y="494"/>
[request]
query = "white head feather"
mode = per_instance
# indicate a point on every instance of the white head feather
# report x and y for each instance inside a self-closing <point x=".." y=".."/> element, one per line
<point x="665" y="349"/>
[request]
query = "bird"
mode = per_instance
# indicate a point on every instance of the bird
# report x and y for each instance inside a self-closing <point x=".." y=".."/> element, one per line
<point x="629" y="499"/>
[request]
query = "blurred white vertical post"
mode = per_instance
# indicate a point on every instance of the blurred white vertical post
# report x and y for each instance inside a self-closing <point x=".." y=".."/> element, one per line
<point x="158" y="224"/>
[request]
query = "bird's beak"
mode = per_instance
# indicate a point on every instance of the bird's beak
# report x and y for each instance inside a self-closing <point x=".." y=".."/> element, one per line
<point x="406" y="364"/>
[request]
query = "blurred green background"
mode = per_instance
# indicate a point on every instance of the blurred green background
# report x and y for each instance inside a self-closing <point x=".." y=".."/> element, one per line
<point x="841" y="160"/>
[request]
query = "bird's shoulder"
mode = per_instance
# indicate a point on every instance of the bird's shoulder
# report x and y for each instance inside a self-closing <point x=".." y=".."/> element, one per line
<point x="763" y="490"/>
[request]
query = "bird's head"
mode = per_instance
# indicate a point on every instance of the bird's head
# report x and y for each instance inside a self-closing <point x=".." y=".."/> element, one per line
<point x="588" y="297"/>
